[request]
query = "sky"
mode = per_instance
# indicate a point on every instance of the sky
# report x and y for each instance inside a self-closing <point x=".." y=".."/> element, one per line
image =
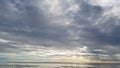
<point x="60" y="30"/>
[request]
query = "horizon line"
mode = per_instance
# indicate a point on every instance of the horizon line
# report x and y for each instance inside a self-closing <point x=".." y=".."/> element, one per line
<point x="103" y="62"/>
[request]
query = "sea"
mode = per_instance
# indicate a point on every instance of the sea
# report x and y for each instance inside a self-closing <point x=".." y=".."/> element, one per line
<point x="59" y="65"/>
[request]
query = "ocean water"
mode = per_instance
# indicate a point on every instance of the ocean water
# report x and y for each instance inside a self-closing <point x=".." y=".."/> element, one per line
<point x="56" y="65"/>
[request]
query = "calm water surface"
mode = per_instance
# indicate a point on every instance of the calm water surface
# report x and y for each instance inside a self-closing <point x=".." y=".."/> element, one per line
<point x="56" y="65"/>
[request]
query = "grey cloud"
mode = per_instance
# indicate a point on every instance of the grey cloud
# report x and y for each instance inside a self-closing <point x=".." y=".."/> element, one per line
<point x="105" y="33"/>
<point x="31" y="22"/>
<point x="7" y="48"/>
<point x="27" y="23"/>
<point x="102" y="35"/>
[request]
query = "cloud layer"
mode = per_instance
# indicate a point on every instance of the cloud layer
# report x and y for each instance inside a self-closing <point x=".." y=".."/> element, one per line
<point x="37" y="28"/>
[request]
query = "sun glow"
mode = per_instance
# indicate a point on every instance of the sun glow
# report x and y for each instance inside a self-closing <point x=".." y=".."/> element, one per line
<point x="78" y="54"/>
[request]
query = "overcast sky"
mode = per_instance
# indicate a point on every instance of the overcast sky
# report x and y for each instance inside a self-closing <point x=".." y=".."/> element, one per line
<point x="57" y="30"/>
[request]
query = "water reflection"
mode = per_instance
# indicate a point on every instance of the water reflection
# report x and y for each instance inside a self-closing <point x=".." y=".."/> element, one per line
<point x="39" y="65"/>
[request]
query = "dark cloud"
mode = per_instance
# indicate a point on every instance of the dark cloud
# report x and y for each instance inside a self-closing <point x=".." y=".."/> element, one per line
<point x="85" y="22"/>
<point x="30" y="22"/>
